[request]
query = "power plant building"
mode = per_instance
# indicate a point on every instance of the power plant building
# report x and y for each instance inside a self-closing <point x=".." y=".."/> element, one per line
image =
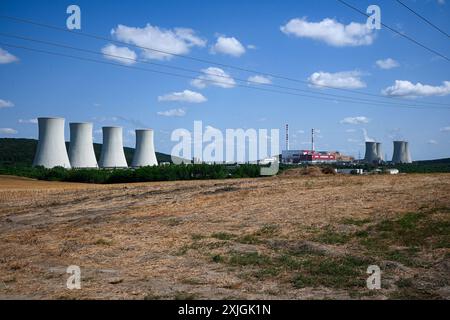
<point x="51" y="149"/>
<point x="371" y="154"/>
<point x="81" y="148"/>
<point x="112" y="155"/>
<point x="299" y="156"/>
<point x="144" y="153"/>
<point x="401" y="152"/>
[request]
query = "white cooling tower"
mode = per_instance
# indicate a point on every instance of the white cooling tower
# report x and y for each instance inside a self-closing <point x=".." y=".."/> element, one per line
<point x="51" y="149"/>
<point x="112" y="155"/>
<point x="380" y="152"/>
<point x="371" y="152"/>
<point x="81" y="149"/>
<point x="144" y="154"/>
<point x="401" y="152"/>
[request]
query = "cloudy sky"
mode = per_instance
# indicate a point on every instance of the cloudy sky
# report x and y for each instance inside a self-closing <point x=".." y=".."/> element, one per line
<point x="351" y="83"/>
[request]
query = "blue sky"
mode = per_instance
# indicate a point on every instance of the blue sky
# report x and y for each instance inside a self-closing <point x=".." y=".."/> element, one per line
<point x="314" y="41"/>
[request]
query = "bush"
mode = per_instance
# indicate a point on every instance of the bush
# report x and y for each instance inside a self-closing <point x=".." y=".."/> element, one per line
<point x="151" y="173"/>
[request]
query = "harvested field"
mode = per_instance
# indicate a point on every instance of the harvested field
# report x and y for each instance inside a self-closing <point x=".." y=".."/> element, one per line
<point x="293" y="236"/>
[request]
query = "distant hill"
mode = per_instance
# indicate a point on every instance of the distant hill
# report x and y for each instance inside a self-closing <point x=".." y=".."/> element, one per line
<point x="20" y="152"/>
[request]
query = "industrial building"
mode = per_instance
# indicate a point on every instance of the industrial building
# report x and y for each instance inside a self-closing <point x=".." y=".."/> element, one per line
<point x="144" y="153"/>
<point x="112" y="155"/>
<point x="300" y="156"/>
<point x="81" y="148"/>
<point x="401" y="152"/>
<point x="51" y="149"/>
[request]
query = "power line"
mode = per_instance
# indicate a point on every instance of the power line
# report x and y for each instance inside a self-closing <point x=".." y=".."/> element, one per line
<point x="397" y="32"/>
<point x="97" y="37"/>
<point x="424" y="19"/>
<point x="195" y="71"/>
<point x="206" y="80"/>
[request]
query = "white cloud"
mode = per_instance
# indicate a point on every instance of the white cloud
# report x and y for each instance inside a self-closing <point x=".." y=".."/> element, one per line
<point x="432" y="141"/>
<point x="214" y="76"/>
<point x="184" y="96"/>
<point x="172" y="113"/>
<point x="344" y="79"/>
<point x="351" y="140"/>
<point x="355" y="120"/>
<point x="6" y="57"/>
<point x="228" y="45"/>
<point x="403" y="88"/>
<point x="27" y="121"/>
<point x="441" y="2"/>
<point x="445" y="129"/>
<point x="258" y="79"/>
<point x="6" y="104"/>
<point x="387" y="64"/>
<point x="331" y="32"/>
<point x="350" y="130"/>
<point x="176" y="41"/>
<point x="119" y="54"/>
<point x="8" y="131"/>
<point x="251" y="47"/>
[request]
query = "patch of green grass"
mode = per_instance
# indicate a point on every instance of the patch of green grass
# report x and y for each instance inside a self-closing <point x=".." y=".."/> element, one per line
<point x="331" y="237"/>
<point x="267" y="230"/>
<point x="249" y="258"/>
<point x="102" y="242"/>
<point x="249" y="239"/>
<point x="197" y="236"/>
<point x="217" y="258"/>
<point x="268" y="272"/>
<point x="355" y="222"/>
<point x="182" y="295"/>
<point x="289" y="262"/>
<point x="404" y="283"/>
<point x="342" y="272"/>
<point x="182" y="251"/>
<point x="223" y="235"/>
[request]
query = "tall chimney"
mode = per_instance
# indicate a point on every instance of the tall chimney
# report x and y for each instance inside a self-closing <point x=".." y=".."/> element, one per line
<point x="51" y="149"/>
<point x="144" y="153"/>
<point x="112" y="155"/>
<point x="81" y="149"/>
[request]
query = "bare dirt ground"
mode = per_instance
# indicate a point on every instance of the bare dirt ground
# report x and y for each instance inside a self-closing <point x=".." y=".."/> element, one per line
<point x="285" y="237"/>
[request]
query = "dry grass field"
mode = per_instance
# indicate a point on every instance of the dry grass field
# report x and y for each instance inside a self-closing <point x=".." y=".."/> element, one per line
<point x="285" y="237"/>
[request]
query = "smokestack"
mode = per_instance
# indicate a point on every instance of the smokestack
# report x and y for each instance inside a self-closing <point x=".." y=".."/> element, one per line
<point x="81" y="149"/>
<point x="112" y="155"/>
<point x="371" y="152"/>
<point x="51" y="149"/>
<point x="144" y="154"/>
<point x="287" y="136"/>
<point x="401" y="152"/>
<point x="312" y="140"/>
<point x="380" y="152"/>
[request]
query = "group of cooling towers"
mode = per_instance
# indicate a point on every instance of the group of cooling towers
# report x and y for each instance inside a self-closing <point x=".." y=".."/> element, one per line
<point x="374" y="152"/>
<point x="51" y="150"/>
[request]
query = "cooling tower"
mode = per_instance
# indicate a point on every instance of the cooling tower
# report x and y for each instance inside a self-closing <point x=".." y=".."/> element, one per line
<point x="144" y="154"/>
<point x="112" y="155"/>
<point x="379" y="152"/>
<point x="401" y="152"/>
<point x="51" y="149"/>
<point x="371" y="152"/>
<point x="81" y="149"/>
